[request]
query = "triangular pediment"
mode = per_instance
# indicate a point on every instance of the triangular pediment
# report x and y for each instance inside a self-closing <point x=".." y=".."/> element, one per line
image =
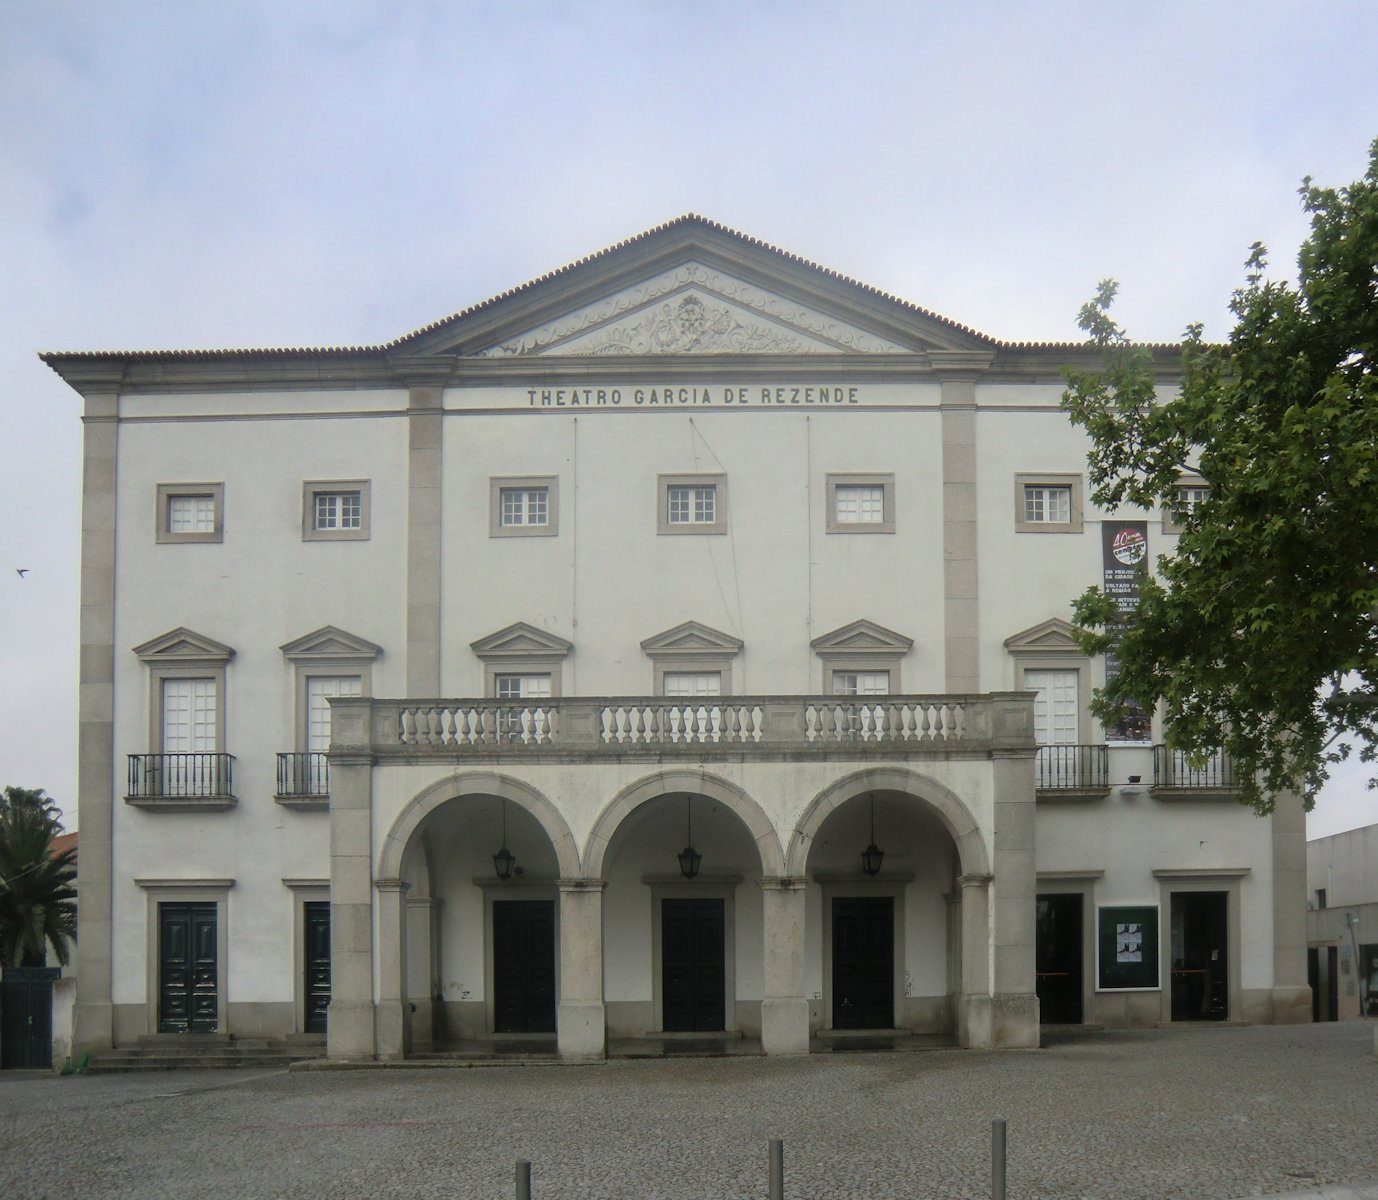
<point x="861" y="638"/>
<point x="183" y="645"/>
<point x="330" y="642"/>
<point x="691" y="287"/>
<point x="1053" y="636"/>
<point x="691" y="638"/>
<point x="521" y="640"/>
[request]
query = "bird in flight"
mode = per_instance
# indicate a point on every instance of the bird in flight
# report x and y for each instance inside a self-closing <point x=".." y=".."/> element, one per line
<point x="21" y="571"/>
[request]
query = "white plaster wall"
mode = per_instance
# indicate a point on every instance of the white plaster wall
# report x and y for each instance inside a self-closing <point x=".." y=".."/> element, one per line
<point x="262" y="586"/>
<point x="1345" y="865"/>
<point x="608" y="580"/>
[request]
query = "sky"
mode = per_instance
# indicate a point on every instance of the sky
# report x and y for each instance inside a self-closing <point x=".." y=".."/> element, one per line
<point x="292" y="172"/>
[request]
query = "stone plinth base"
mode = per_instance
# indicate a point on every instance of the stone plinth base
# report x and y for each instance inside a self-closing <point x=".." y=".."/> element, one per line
<point x="350" y="1030"/>
<point x="1015" y="1021"/>
<point x="785" y="1026"/>
<point x="1291" y="1005"/>
<point x="581" y="1031"/>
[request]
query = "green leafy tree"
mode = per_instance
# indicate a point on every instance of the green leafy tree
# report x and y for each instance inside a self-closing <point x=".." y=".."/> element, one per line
<point x="1258" y="634"/>
<point x="37" y="896"/>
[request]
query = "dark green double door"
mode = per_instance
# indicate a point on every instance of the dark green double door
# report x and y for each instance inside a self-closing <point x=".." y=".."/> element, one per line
<point x="26" y="1017"/>
<point x="863" y="949"/>
<point x="523" y="966"/>
<point x="188" y="969"/>
<point x="692" y="973"/>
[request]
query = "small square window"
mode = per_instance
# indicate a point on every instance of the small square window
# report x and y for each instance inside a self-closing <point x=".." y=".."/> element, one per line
<point x="681" y="684"/>
<point x="693" y="504"/>
<point x="523" y="506"/>
<point x="191" y="512"/>
<point x="861" y="503"/>
<point x="861" y="683"/>
<point x="335" y="511"/>
<point x="1192" y="491"/>
<point x="1047" y="503"/>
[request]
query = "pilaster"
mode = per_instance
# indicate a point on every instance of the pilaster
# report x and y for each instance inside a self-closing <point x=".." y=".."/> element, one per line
<point x="1291" y="989"/>
<point x="425" y="433"/>
<point x="973" y="1004"/>
<point x="784" y="1008"/>
<point x="93" y="1025"/>
<point x="392" y="1016"/>
<point x="961" y="612"/>
<point x="581" y="1027"/>
<point x="350" y="1029"/>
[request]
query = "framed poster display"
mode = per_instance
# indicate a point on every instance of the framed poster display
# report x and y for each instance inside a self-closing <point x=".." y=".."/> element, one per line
<point x="1127" y="948"/>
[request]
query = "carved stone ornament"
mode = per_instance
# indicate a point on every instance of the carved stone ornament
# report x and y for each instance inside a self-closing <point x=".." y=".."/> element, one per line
<point x="701" y="311"/>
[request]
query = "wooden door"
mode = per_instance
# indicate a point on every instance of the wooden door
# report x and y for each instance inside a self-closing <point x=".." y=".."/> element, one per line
<point x="316" y="952"/>
<point x="523" y="966"/>
<point x="864" y="962"/>
<point x="26" y="1018"/>
<point x="188" y="969"/>
<point x="692" y="971"/>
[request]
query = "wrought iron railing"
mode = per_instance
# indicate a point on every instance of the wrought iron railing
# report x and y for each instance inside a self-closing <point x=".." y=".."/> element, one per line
<point x="180" y="776"/>
<point x="1173" y="769"/>
<point x="304" y="775"/>
<point x="1072" y="767"/>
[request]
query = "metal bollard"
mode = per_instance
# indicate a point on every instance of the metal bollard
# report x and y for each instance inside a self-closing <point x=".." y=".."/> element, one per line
<point x="777" y="1169"/>
<point x="997" y="1159"/>
<point x="523" y="1179"/>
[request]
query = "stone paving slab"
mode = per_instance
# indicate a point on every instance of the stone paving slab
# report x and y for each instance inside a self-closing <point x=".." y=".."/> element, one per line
<point x="1205" y="1114"/>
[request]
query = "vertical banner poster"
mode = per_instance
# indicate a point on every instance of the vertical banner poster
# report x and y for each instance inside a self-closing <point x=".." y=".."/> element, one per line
<point x="1124" y="549"/>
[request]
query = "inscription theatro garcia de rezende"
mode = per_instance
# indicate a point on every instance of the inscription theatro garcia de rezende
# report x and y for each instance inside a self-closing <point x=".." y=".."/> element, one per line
<point x="688" y="397"/>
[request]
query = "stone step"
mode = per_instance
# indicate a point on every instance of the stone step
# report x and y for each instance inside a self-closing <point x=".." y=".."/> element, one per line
<point x="202" y="1053"/>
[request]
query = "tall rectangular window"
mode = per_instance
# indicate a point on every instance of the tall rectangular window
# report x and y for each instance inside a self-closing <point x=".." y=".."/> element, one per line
<point x="319" y="693"/>
<point x="1057" y="708"/>
<point x="189" y="716"/>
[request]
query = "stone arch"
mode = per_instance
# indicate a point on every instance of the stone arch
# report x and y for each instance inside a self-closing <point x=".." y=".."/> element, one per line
<point x="700" y="783"/>
<point x="951" y="811"/>
<point x="478" y="783"/>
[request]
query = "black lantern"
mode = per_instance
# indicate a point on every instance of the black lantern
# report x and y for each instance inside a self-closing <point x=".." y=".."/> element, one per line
<point x="689" y="858"/>
<point x="873" y="855"/>
<point x="504" y="859"/>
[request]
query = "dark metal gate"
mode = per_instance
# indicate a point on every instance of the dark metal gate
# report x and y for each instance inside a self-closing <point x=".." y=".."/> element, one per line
<point x="26" y="1018"/>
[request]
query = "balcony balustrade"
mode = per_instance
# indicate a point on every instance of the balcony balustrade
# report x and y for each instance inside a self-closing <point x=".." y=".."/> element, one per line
<point x="617" y="727"/>
<point x="182" y="780"/>
<point x="1172" y="769"/>
<point x="1073" y="768"/>
<point x="303" y="779"/>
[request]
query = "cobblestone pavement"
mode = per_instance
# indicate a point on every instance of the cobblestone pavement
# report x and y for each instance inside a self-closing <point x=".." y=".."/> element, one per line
<point x="1210" y="1114"/>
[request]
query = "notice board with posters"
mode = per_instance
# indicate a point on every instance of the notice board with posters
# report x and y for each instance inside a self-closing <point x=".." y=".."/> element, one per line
<point x="1127" y="948"/>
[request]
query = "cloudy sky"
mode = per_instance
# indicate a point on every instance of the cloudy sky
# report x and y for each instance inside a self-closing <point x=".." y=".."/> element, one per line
<point x="288" y="172"/>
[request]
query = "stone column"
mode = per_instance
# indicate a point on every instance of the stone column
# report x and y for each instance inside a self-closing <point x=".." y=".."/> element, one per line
<point x="973" y="1004"/>
<point x="93" y="1014"/>
<point x="784" y="1007"/>
<point x="350" y="1028"/>
<point x="1015" y="1000"/>
<point x="580" y="1017"/>
<point x="1291" y="989"/>
<point x="392" y="1015"/>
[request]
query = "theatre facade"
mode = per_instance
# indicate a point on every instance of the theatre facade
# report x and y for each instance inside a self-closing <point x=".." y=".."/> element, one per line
<point x="673" y="646"/>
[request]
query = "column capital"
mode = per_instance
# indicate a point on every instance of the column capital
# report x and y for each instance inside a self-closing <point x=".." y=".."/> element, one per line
<point x="781" y="883"/>
<point x="582" y="885"/>
<point x="975" y="881"/>
<point x="392" y="885"/>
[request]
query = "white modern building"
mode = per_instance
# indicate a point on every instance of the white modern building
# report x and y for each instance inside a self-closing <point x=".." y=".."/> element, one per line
<point x="1342" y="924"/>
<point x="675" y="644"/>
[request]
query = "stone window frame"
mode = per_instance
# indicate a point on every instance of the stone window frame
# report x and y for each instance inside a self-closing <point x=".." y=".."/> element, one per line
<point x="1202" y="879"/>
<point x="182" y="654"/>
<point x="311" y="488"/>
<point x="186" y="891"/>
<point x="1049" y="479"/>
<point x="716" y="480"/>
<point x="884" y="480"/>
<point x="167" y="492"/>
<point x="1058" y="654"/>
<point x="834" y="885"/>
<point x="326" y="653"/>
<point x="497" y="484"/>
<point x="1184" y="480"/>
<point x="521" y="649"/>
<point x="886" y="653"/>
<point x="701" y="657"/>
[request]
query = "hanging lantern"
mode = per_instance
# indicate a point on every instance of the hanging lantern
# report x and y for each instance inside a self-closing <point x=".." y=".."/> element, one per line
<point x="689" y="858"/>
<point x="873" y="855"/>
<point x="504" y="860"/>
